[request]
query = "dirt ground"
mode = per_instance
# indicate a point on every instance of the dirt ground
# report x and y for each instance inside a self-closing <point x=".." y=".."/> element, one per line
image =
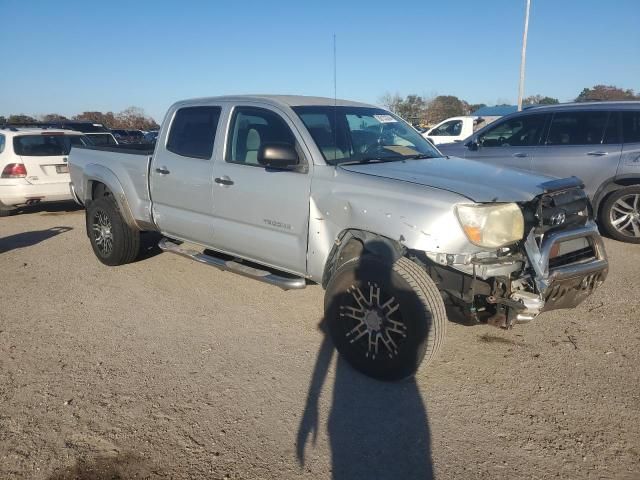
<point x="170" y="369"/>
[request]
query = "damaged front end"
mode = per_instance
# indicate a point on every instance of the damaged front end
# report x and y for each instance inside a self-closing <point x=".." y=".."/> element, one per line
<point x="561" y="262"/>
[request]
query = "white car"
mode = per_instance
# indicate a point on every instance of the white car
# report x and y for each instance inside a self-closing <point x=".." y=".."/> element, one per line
<point x="453" y="129"/>
<point x="33" y="166"/>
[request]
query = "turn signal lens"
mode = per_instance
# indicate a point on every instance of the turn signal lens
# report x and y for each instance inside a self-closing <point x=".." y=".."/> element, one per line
<point x="14" y="170"/>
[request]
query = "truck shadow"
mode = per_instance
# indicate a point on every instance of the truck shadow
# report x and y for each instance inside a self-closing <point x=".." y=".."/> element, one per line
<point x="29" y="239"/>
<point x="149" y="245"/>
<point x="375" y="429"/>
<point x="57" y="208"/>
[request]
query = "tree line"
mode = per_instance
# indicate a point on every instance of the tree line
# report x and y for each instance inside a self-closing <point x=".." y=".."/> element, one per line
<point x="429" y="111"/>
<point x="130" y="118"/>
<point x="417" y="109"/>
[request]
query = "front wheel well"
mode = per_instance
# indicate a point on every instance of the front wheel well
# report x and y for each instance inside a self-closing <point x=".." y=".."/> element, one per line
<point x="353" y="243"/>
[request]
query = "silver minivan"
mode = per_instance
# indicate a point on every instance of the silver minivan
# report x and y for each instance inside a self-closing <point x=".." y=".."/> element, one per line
<point x="599" y="142"/>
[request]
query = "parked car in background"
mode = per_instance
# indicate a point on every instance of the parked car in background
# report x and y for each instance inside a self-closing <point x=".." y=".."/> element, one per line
<point x="453" y="129"/>
<point x="151" y="137"/>
<point x="598" y="142"/>
<point x="290" y="189"/>
<point x="34" y="166"/>
<point x="97" y="132"/>
<point x="128" y="136"/>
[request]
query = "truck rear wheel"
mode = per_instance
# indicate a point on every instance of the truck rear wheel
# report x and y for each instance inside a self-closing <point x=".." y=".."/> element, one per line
<point x="112" y="240"/>
<point x="384" y="319"/>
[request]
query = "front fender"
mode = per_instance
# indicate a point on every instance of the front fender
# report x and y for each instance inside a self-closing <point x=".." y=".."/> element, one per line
<point x="416" y="217"/>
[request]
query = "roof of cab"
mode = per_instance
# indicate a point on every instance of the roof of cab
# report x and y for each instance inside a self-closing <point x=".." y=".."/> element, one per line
<point x="277" y="100"/>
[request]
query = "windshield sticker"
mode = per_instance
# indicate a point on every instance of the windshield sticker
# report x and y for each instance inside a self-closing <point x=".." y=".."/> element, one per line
<point x="402" y="149"/>
<point x="385" y="119"/>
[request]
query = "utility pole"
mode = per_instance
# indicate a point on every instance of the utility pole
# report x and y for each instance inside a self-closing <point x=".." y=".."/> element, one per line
<point x="524" y="55"/>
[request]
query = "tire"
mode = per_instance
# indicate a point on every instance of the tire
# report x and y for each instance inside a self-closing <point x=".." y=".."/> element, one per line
<point x="620" y="215"/>
<point x="385" y="319"/>
<point x="112" y="240"/>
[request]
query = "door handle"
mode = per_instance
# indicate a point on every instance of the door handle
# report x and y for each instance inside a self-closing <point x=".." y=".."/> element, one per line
<point x="520" y="155"/>
<point x="163" y="171"/>
<point x="224" y="180"/>
<point x="598" y="153"/>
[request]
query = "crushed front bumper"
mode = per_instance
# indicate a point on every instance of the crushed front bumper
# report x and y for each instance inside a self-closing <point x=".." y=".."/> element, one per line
<point x="565" y="285"/>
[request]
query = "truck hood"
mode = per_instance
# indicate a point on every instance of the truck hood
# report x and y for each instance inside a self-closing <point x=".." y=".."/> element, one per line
<point x="480" y="182"/>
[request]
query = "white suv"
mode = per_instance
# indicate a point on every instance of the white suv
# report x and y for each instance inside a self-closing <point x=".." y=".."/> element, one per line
<point x="33" y="166"/>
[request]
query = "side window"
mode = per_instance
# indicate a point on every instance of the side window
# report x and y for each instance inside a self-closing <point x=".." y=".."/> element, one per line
<point x="2" y="142"/>
<point x="450" y="129"/>
<point x="611" y="131"/>
<point x="193" y="132"/>
<point x="577" y="128"/>
<point x="252" y="128"/>
<point x="521" y="131"/>
<point x="630" y="127"/>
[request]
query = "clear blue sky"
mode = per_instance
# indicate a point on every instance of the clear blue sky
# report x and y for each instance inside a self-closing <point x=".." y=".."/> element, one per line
<point x="68" y="56"/>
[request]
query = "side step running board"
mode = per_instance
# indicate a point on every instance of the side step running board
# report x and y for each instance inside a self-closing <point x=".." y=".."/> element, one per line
<point x="284" y="282"/>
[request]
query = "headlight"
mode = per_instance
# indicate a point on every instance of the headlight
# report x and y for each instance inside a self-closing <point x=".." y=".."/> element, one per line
<point x="491" y="225"/>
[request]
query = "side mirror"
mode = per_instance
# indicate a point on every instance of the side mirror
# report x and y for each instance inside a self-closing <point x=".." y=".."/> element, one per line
<point x="278" y="155"/>
<point x="472" y="144"/>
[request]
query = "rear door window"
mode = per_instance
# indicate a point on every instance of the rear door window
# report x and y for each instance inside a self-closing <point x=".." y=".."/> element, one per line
<point x="580" y="128"/>
<point x="2" y="142"/>
<point x="193" y="132"/>
<point x="631" y="127"/>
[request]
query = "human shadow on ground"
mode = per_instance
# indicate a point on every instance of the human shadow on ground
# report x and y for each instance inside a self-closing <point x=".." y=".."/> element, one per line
<point x="377" y="430"/>
<point x="29" y="239"/>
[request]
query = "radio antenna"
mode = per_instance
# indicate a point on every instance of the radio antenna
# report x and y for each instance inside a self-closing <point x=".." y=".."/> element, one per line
<point x="335" y="103"/>
<point x="335" y="73"/>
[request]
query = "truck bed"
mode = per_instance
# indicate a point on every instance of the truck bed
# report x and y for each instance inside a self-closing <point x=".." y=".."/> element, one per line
<point x="123" y="168"/>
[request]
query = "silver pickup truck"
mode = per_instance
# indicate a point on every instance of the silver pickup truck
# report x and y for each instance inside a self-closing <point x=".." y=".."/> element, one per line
<point x="291" y="190"/>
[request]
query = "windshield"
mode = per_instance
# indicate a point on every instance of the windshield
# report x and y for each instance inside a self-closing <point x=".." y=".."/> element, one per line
<point x="46" y="145"/>
<point x="363" y="134"/>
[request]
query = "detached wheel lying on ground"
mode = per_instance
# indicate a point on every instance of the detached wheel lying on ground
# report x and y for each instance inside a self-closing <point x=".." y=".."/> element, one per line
<point x="384" y="319"/>
<point x="620" y="215"/>
<point x="113" y="241"/>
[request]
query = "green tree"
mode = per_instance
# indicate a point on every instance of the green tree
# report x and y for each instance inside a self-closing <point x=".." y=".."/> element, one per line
<point x="443" y="107"/>
<point x="107" y="119"/>
<point x="606" y="92"/>
<point x="412" y="109"/>
<point x="21" y="118"/>
<point x="539" y="100"/>
<point x="53" y="117"/>
<point x="3" y="120"/>
<point x="135" y="118"/>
